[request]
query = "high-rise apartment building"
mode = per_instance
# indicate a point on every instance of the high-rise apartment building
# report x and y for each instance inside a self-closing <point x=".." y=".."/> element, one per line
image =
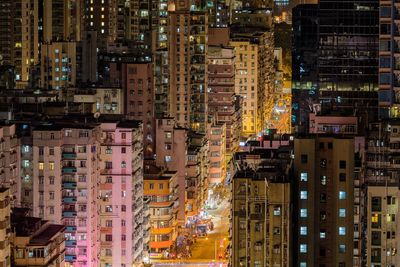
<point x="351" y="26"/>
<point x="9" y="162"/>
<point x="217" y="153"/>
<point x="304" y="64"/>
<point x="197" y="168"/>
<point x="120" y="193"/>
<point x="171" y="145"/>
<point x="137" y="82"/>
<point x="192" y="168"/>
<point x="348" y="44"/>
<point x="383" y="225"/>
<point x="108" y="19"/>
<point x="65" y="173"/>
<point x="261" y="215"/>
<point x="62" y="20"/>
<point x="221" y="97"/>
<point x="58" y="65"/>
<point x="252" y="38"/>
<point x="19" y="37"/>
<point x="188" y="76"/>
<point x="89" y="178"/>
<point x="218" y="11"/>
<point x="323" y="212"/>
<point x="389" y="47"/>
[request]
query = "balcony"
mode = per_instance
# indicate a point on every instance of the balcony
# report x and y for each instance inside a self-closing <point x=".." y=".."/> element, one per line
<point x="68" y="155"/>
<point x="69" y="213"/>
<point x="70" y="228"/>
<point x="70" y="258"/>
<point x="69" y="199"/>
<point x="69" y="185"/>
<point x="160" y="244"/>
<point x="70" y="243"/>
<point x="68" y="169"/>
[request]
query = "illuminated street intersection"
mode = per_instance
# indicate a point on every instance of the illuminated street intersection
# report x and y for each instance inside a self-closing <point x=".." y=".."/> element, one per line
<point x="207" y="251"/>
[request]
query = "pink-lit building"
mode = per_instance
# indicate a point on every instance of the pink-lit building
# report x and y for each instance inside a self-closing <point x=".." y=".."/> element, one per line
<point x="333" y="124"/>
<point x="64" y="188"/>
<point x="120" y="194"/>
<point x="170" y="150"/>
<point x="90" y="179"/>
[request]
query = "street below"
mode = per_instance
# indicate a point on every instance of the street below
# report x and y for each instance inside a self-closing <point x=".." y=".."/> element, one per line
<point x="208" y="251"/>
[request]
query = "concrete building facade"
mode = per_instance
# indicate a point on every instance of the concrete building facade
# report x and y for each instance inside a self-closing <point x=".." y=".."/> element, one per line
<point x="323" y="218"/>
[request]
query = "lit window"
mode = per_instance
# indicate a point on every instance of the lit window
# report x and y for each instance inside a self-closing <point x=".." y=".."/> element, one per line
<point x="57" y="51"/>
<point x="342" y="195"/>
<point x="342" y="248"/>
<point x="102" y="9"/>
<point x="322" y="234"/>
<point x="303" y="230"/>
<point x="41" y="165"/>
<point x="303" y="213"/>
<point x="303" y="194"/>
<point x="102" y="30"/>
<point x="123" y="164"/>
<point x="323" y="180"/>
<point x="25" y="163"/>
<point x="342" y="230"/>
<point x="51" y="165"/>
<point x="303" y="248"/>
<point x="102" y="23"/>
<point x="168" y="159"/>
<point x="342" y="213"/>
<point x="303" y="177"/>
<point x="374" y="218"/>
<point x="303" y="264"/>
<point x="26" y="149"/>
<point x="91" y="8"/>
<point x="277" y="211"/>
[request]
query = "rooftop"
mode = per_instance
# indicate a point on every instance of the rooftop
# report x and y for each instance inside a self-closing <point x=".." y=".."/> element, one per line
<point x="44" y="236"/>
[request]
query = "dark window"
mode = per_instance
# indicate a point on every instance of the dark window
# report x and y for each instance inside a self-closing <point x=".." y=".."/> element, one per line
<point x="376" y="238"/>
<point x="321" y="145"/>
<point x="322" y="252"/>
<point x="385" y="11"/>
<point x="330" y="145"/>
<point x="342" y="164"/>
<point x="323" y="198"/>
<point x="342" y="177"/>
<point x="304" y="158"/>
<point x="376" y="203"/>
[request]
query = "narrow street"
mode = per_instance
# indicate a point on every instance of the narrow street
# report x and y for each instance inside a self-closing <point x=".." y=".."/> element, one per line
<point x="206" y="251"/>
<point x="209" y="248"/>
